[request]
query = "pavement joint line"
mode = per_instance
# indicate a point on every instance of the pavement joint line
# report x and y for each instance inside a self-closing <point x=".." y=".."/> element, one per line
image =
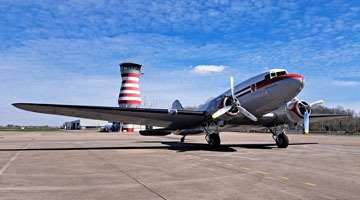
<point x="310" y="184"/>
<point x="261" y="172"/>
<point x="128" y="175"/>
<point x="283" y="177"/>
<point x="7" y="164"/>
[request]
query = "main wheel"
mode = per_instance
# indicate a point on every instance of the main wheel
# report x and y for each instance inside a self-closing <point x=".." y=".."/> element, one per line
<point x="214" y="142"/>
<point x="282" y="141"/>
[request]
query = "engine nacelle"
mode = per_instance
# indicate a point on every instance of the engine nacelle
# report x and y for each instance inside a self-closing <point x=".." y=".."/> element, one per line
<point x="293" y="112"/>
<point x="227" y="102"/>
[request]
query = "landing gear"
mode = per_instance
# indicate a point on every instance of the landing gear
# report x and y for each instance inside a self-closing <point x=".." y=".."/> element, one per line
<point x="282" y="141"/>
<point x="214" y="141"/>
<point x="212" y="135"/>
<point x="182" y="139"/>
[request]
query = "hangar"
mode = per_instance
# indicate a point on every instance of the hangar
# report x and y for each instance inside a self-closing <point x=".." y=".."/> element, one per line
<point x="84" y="123"/>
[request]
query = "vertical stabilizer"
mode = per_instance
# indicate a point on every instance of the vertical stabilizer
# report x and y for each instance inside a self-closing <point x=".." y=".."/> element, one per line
<point x="177" y="105"/>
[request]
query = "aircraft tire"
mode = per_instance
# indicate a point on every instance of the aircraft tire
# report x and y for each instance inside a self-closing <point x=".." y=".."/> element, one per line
<point x="282" y="141"/>
<point x="214" y="142"/>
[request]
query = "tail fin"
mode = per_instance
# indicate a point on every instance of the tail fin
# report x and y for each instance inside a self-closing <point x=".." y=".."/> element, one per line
<point x="177" y="105"/>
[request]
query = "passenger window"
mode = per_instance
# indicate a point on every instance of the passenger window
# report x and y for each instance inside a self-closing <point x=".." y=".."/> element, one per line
<point x="273" y="74"/>
<point x="267" y="77"/>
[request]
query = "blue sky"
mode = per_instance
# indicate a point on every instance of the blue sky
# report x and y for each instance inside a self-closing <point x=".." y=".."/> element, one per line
<point x="68" y="51"/>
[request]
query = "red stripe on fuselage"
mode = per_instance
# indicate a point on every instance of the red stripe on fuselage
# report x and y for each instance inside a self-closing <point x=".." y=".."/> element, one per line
<point x="242" y="90"/>
<point x="264" y="83"/>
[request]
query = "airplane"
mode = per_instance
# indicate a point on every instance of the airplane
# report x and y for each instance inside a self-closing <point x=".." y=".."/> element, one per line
<point x="268" y="99"/>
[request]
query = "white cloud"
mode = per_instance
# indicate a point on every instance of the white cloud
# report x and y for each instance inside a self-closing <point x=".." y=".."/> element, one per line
<point x="343" y="83"/>
<point x="208" y="69"/>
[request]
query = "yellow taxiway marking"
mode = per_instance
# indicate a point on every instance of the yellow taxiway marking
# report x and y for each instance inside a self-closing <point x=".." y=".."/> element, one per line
<point x="283" y="177"/>
<point x="245" y="168"/>
<point x="218" y="162"/>
<point x="230" y="165"/>
<point x="311" y="184"/>
<point x="261" y="172"/>
<point x="206" y="159"/>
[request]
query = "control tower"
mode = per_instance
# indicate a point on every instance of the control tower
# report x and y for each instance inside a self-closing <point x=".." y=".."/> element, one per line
<point x="129" y="96"/>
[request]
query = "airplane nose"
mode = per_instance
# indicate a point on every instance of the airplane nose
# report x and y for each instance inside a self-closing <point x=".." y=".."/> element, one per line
<point x="297" y="80"/>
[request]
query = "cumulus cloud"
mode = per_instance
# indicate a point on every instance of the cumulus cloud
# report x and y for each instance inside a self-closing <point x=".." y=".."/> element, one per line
<point x="208" y="69"/>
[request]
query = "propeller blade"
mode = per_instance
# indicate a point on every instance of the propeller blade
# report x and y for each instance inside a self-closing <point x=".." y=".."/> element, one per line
<point x="232" y="87"/>
<point x="306" y="122"/>
<point x="317" y="103"/>
<point x="247" y="113"/>
<point x="221" y="112"/>
<point x="236" y="104"/>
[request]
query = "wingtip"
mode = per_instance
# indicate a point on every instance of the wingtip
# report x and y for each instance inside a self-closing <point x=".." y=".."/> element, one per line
<point x="15" y="104"/>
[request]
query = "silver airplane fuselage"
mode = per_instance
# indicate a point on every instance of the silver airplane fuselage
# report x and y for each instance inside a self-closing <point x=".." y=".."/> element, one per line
<point x="260" y="94"/>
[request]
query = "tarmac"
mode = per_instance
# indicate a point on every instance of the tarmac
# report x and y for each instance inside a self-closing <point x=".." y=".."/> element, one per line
<point x="93" y="165"/>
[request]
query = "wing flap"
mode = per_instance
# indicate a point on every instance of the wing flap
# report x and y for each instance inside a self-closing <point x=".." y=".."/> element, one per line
<point x="144" y="116"/>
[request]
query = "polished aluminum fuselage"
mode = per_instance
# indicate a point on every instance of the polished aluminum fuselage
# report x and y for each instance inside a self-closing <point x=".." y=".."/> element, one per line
<point x="259" y="95"/>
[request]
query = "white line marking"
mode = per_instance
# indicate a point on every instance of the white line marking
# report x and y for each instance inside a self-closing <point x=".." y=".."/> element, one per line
<point x="3" y="168"/>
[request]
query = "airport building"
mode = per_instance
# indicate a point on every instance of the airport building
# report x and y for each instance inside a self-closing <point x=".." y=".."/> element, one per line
<point x="84" y="123"/>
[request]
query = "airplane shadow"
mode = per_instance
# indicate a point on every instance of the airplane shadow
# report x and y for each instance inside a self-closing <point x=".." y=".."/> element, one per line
<point x="223" y="148"/>
<point x="177" y="146"/>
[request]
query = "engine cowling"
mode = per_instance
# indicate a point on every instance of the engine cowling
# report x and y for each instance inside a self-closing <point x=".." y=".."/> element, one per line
<point x="297" y="110"/>
<point x="293" y="112"/>
<point x="227" y="102"/>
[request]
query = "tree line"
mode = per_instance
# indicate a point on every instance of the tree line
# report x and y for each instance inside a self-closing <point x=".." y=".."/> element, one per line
<point x="351" y="123"/>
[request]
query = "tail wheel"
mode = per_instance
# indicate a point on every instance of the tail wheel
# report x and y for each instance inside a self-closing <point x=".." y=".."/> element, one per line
<point x="214" y="141"/>
<point x="282" y="141"/>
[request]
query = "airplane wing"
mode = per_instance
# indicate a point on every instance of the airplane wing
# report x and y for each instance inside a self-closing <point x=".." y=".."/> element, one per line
<point x="313" y="117"/>
<point x="169" y="119"/>
<point x="271" y="120"/>
<point x="325" y="117"/>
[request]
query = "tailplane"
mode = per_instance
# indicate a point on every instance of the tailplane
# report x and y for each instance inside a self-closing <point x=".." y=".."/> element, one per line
<point x="177" y="105"/>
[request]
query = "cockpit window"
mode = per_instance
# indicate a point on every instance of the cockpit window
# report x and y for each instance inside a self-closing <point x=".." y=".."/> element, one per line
<point x="280" y="73"/>
<point x="275" y="74"/>
<point x="267" y="77"/>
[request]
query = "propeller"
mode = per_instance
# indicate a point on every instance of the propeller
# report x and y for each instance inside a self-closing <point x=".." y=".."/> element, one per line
<point x="235" y="104"/>
<point x="308" y="112"/>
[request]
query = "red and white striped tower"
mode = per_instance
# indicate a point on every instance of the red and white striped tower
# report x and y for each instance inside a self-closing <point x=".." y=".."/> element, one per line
<point x="129" y="96"/>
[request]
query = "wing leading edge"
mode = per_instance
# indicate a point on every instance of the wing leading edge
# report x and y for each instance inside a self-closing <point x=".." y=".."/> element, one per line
<point x="179" y="119"/>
